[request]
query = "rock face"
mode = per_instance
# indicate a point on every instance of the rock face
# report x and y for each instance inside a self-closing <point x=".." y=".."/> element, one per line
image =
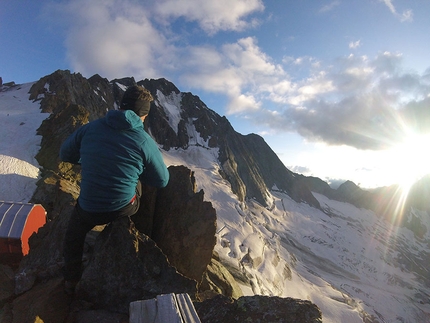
<point x="247" y="162"/>
<point x="258" y="309"/>
<point x="218" y="280"/>
<point x="127" y="266"/>
<point x="186" y="230"/>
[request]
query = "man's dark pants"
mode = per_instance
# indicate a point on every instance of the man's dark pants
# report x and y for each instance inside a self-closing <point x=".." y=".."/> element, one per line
<point x="80" y="223"/>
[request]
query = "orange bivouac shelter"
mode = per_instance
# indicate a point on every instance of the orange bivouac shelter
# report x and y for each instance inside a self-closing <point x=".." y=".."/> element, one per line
<point x="18" y="221"/>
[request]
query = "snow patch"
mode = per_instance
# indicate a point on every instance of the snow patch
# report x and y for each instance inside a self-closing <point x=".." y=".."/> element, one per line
<point x="19" y="121"/>
<point x="171" y="105"/>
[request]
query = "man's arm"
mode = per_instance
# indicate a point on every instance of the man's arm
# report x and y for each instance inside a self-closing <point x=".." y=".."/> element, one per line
<point x="155" y="173"/>
<point x="70" y="149"/>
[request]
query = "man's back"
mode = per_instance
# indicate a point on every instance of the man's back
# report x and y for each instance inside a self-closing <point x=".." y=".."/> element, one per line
<point x="114" y="152"/>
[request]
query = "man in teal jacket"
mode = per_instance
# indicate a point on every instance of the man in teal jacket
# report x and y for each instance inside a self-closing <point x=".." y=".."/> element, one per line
<point x="115" y="153"/>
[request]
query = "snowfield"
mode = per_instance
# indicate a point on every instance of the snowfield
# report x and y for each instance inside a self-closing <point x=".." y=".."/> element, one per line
<point x="344" y="259"/>
<point x="19" y="120"/>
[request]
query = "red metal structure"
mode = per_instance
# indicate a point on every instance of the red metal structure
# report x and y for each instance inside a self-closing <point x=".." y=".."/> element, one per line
<point x="18" y="221"/>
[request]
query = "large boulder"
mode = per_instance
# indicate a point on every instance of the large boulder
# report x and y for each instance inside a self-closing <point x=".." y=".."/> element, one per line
<point x="218" y="280"/>
<point x="184" y="224"/>
<point x="46" y="302"/>
<point x="127" y="266"/>
<point x="257" y="309"/>
<point x="6" y="284"/>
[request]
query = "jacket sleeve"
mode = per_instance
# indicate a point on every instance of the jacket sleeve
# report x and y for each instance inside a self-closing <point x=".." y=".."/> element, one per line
<point x="156" y="173"/>
<point x="70" y="149"/>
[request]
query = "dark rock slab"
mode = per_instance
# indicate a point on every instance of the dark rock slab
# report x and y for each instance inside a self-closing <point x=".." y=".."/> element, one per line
<point x="127" y="266"/>
<point x="258" y="309"/>
<point x="184" y="224"/>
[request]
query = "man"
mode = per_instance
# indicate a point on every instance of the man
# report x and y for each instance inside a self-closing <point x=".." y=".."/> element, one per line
<point x="116" y="154"/>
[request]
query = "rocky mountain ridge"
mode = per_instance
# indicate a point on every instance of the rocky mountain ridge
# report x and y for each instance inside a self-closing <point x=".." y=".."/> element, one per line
<point x="246" y="161"/>
<point x="142" y="270"/>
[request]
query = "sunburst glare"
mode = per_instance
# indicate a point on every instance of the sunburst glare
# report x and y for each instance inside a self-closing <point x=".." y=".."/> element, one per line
<point x="411" y="160"/>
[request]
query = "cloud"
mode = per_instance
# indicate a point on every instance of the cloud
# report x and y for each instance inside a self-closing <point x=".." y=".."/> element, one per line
<point x="300" y="169"/>
<point x="112" y="38"/>
<point x="212" y="16"/>
<point x="407" y="15"/>
<point x="238" y="70"/>
<point x="330" y="6"/>
<point x="119" y="38"/>
<point x="355" y="44"/>
<point x="358" y="102"/>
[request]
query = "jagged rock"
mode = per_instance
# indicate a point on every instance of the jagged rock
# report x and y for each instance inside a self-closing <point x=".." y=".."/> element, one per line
<point x="46" y="302"/>
<point x="218" y="280"/>
<point x="102" y="316"/>
<point x="62" y="89"/>
<point x="127" y="266"/>
<point x="54" y="130"/>
<point x="247" y="162"/>
<point x="158" y="119"/>
<point x="257" y="309"/>
<point x="6" y="284"/>
<point x="45" y="258"/>
<point x="185" y="225"/>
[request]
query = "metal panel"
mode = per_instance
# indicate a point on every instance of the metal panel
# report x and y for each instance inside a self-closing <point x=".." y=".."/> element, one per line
<point x="8" y="217"/>
<point x="165" y="308"/>
<point x="20" y="221"/>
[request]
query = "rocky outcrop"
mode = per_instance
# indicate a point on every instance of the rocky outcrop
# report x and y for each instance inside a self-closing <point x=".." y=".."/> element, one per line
<point x="258" y="309"/>
<point x="127" y="266"/>
<point x="217" y="280"/>
<point x="121" y="264"/>
<point x="62" y="89"/>
<point x="6" y="284"/>
<point x="184" y="224"/>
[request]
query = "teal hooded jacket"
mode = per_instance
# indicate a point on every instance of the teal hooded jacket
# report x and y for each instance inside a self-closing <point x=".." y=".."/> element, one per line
<point x="114" y="152"/>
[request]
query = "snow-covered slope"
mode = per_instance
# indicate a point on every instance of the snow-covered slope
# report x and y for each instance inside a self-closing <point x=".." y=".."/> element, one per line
<point x="345" y="260"/>
<point x="348" y="261"/>
<point x="19" y="120"/>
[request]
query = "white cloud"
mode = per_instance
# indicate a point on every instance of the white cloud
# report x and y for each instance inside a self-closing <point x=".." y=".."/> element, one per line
<point x="113" y="38"/>
<point x="330" y="6"/>
<point x="236" y="70"/>
<point x="212" y="16"/>
<point x="407" y="15"/>
<point x="355" y="44"/>
<point x="390" y="5"/>
<point x="119" y="38"/>
<point x="243" y="103"/>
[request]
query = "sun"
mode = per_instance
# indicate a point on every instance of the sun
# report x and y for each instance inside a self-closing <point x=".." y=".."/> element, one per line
<point x="411" y="160"/>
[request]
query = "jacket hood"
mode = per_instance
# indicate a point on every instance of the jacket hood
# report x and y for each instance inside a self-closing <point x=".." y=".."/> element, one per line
<point x="123" y="120"/>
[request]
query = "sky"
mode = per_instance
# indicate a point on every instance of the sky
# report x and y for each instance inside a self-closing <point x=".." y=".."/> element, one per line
<point x="339" y="89"/>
